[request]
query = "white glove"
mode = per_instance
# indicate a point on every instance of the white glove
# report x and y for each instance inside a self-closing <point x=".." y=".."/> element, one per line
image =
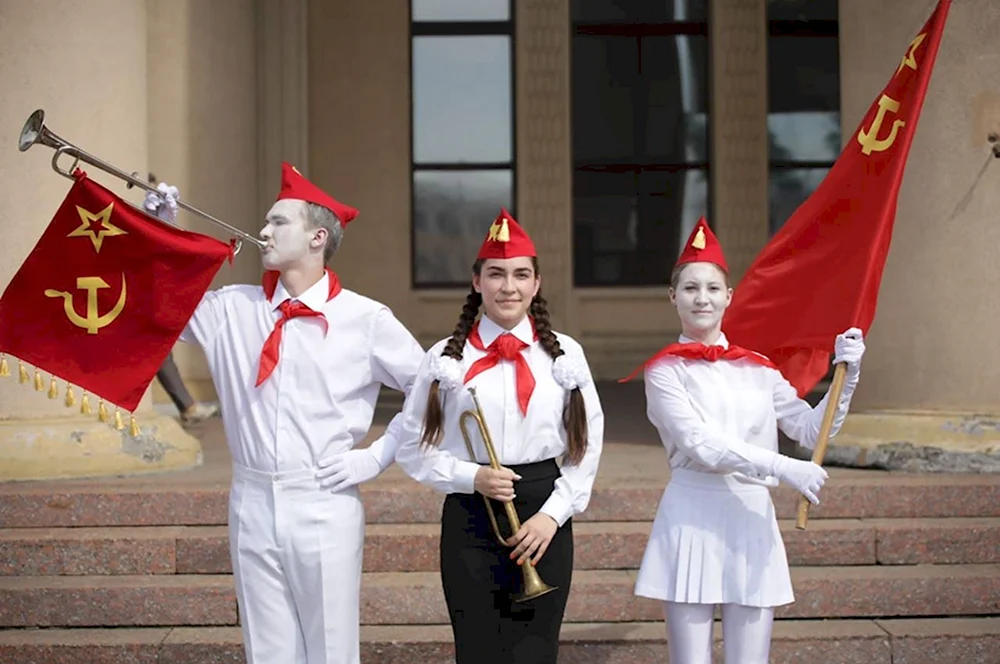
<point x="163" y="204"/>
<point x="849" y="347"/>
<point x="347" y="469"/>
<point x="805" y="477"/>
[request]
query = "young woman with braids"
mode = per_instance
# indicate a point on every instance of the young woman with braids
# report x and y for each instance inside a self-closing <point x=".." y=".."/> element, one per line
<point x="545" y="419"/>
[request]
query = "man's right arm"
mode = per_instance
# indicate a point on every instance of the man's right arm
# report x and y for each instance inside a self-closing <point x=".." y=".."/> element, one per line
<point x="203" y="327"/>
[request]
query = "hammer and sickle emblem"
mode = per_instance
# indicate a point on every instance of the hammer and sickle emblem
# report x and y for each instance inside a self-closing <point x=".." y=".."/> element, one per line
<point x="869" y="140"/>
<point x="94" y="320"/>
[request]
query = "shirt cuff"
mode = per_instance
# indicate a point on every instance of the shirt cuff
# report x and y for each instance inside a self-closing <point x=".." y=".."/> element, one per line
<point x="464" y="480"/>
<point x="557" y="508"/>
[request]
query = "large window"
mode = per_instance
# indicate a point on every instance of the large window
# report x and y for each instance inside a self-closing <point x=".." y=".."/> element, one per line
<point x="640" y="136"/>
<point x="462" y="128"/>
<point x="803" y="119"/>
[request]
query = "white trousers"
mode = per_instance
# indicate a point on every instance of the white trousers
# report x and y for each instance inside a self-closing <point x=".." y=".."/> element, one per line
<point x="297" y="553"/>
<point x="746" y="633"/>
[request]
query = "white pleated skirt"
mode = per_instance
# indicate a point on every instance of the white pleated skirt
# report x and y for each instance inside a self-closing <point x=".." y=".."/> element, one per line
<point x="715" y="540"/>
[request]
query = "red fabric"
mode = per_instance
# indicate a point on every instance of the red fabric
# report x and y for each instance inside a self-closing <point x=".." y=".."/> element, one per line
<point x="269" y="354"/>
<point x="295" y="185"/>
<point x="152" y="274"/>
<point x="820" y="274"/>
<point x="272" y="345"/>
<point x="270" y="283"/>
<point x="506" y="347"/>
<point x="703" y="247"/>
<point x="699" y="351"/>
<point x="506" y="239"/>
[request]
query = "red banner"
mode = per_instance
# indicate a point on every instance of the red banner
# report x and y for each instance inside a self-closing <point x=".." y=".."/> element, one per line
<point x="103" y="296"/>
<point x="820" y="274"/>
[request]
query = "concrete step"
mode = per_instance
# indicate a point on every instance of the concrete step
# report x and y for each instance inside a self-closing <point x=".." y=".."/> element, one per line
<point x="414" y="547"/>
<point x="415" y="598"/>
<point x="394" y="498"/>
<point x="965" y="640"/>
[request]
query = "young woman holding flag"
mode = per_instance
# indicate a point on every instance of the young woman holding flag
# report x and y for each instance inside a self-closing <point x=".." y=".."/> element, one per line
<point x="717" y="408"/>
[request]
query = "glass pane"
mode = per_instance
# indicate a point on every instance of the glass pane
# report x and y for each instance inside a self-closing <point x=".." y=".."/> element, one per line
<point x="639" y="11"/>
<point x="802" y="10"/>
<point x="639" y="100"/>
<point x="461" y="99"/>
<point x="452" y="212"/>
<point x="460" y="10"/>
<point x="788" y="189"/>
<point x="803" y="136"/>
<point x="628" y="228"/>
<point x="803" y="74"/>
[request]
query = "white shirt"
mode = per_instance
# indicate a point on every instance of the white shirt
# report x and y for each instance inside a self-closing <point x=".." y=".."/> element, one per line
<point x="320" y="399"/>
<point x="706" y="412"/>
<point x="519" y="439"/>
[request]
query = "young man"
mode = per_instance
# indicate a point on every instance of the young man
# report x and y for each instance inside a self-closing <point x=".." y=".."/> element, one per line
<point x="298" y="364"/>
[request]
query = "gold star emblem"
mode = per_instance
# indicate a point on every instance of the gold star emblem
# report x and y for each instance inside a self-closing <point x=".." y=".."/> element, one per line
<point x="909" y="60"/>
<point x="699" y="239"/>
<point x="499" y="231"/>
<point x="96" y="226"/>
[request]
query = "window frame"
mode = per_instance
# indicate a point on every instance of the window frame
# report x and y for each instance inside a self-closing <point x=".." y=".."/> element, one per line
<point x="694" y="27"/>
<point x="818" y="28"/>
<point x="459" y="28"/>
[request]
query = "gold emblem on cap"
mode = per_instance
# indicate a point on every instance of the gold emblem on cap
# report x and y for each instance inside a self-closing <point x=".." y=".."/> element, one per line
<point x="499" y="231"/>
<point x="699" y="239"/>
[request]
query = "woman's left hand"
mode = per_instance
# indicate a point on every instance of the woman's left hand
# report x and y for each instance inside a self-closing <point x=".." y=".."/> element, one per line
<point x="533" y="538"/>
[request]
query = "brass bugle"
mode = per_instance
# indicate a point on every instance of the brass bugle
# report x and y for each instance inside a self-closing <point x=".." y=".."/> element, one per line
<point x="533" y="584"/>
<point x="35" y="132"/>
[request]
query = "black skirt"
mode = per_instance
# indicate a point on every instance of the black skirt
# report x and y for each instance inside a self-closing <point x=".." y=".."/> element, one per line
<point x="479" y="578"/>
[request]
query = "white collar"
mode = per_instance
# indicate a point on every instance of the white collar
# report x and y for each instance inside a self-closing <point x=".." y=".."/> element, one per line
<point x="721" y="341"/>
<point x="314" y="297"/>
<point x="489" y="331"/>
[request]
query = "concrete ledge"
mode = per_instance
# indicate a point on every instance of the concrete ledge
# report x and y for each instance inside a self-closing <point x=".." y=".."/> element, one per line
<point x="918" y="442"/>
<point x="78" y="447"/>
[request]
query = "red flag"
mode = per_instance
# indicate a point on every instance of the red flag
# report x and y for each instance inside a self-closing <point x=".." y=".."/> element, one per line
<point x="820" y="274"/>
<point x="103" y="296"/>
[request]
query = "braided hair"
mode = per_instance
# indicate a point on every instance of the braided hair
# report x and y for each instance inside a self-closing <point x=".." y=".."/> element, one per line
<point x="575" y="413"/>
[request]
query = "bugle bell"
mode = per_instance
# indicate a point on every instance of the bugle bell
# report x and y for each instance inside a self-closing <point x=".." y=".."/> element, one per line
<point x="35" y="132"/>
<point x="533" y="584"/>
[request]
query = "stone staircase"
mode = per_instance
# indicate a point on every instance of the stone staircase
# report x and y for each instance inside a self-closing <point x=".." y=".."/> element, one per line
<point x="893" y="568"/>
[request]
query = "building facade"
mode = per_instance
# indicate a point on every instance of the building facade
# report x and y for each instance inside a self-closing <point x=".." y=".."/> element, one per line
<point x="607" y="127"/>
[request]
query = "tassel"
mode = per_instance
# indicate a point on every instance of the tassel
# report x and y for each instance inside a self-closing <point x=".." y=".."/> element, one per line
<point x="39" y="385"/>
<point x="102" y="412"/>
<point x="85" y="405"/>
<point x="22" y="373"/>
<point x="70" y="397"/>
<point x="53" y="389"/>
<point x="119" y="425"/>
<point x="4" y="369"/>
<point x="133" y="427"/>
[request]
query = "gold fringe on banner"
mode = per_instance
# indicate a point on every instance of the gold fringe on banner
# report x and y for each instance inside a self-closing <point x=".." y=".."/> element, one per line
<point x="22" y="372"/>
<point x="133" y="427"/>
<point x="70" y="397"/>
<point x="4" y="369"/>
<point x="85" y="405"/>
<point x="53" y="389"/>
<point x="39" y="385"/>
<point x="119" y="425"/>
<point x="102" y="412"/>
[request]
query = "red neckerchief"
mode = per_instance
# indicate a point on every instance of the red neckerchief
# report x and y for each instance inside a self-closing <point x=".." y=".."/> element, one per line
<point x="699" y="351"/>
<point x="289" y="310"/>
<point x="505" y="347"/>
